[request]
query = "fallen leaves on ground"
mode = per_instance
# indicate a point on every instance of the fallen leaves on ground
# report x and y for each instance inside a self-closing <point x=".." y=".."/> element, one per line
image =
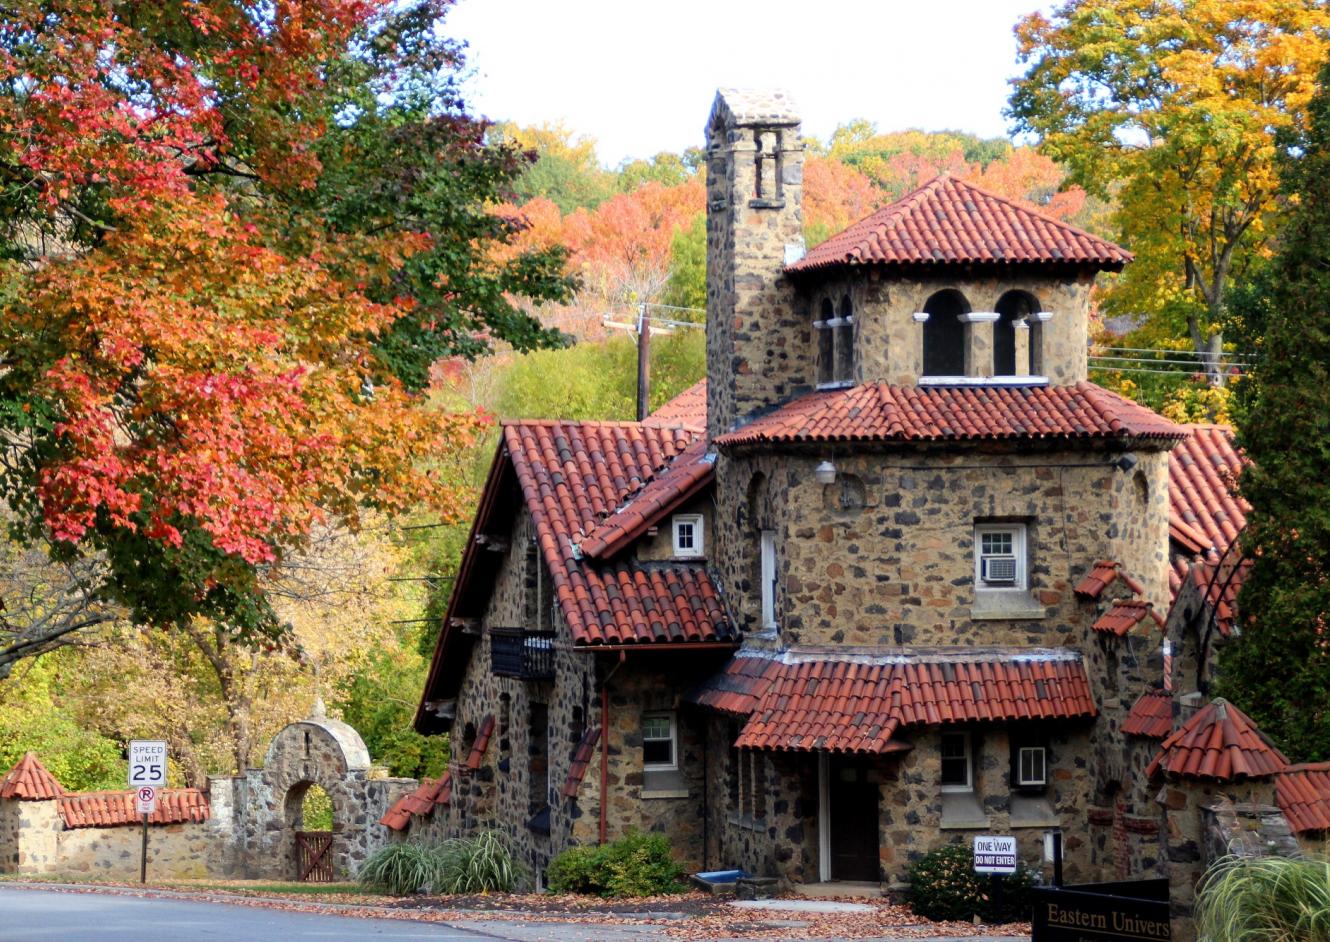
<point x="684" y="916"/>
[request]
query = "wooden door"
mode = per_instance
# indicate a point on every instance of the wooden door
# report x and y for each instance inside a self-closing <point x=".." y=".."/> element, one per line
<point x="314" y="856"/>
<point x="854" y="822"/>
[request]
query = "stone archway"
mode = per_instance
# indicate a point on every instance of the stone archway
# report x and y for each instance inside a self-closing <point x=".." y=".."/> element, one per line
<point x="313" y="843"/>
<point x="314" y="751"/>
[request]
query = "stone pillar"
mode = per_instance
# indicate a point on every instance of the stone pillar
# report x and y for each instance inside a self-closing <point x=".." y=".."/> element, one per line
<point x="979" y="342"/>
<point x="759" y="350"/>
<point x="1022" y="347"/>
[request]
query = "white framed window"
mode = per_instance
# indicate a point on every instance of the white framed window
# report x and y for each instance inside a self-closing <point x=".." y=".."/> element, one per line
<point x="1031" y="765"/>
<point x="687" y="534"/>
<point x="999" y="556"/>
<point x="768" y="577"/>
<point x="956" y="765"/>
<point x="659" y="742"/>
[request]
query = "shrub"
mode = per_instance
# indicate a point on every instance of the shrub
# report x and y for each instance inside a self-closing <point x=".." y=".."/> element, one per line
<point x="480" y="864"/>
<point x="635" y="865"/>
<point x="403" y="869"/>
<point x="943" y="885"/>
<point x="1253" y="899"/>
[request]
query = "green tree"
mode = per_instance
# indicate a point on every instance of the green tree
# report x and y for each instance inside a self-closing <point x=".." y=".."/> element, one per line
<point x="564" y="168"/>
<point x="598" y="381"/>
<point x="687" y="286"/>
<point x="1278" y="668"/>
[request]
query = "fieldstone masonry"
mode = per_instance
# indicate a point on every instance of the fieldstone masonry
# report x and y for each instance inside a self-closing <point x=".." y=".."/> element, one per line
<point x="250" y="832"/>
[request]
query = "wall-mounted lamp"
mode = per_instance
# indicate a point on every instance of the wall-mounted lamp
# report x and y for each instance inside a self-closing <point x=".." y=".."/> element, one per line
<point x="825" y="473"/>
<point x="1125" y="462"/>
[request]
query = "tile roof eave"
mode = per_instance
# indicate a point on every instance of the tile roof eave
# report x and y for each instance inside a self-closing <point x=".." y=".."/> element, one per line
<point x="488" y="495"/>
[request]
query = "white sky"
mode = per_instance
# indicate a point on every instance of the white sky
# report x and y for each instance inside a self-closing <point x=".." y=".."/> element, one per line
<point x="638" y="76"/>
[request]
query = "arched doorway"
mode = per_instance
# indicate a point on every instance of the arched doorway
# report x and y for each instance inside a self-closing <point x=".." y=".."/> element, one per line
<point x="311" y="819"/>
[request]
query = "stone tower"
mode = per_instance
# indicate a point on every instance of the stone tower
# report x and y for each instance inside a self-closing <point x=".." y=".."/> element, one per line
<point x="755" y="322"/>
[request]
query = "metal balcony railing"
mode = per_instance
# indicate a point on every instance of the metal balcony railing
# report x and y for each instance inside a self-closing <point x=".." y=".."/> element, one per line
<point x="526" y="655"/>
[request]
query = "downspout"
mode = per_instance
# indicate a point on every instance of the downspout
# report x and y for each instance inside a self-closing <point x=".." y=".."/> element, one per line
<point x="605" y="746"/>
<point x="706" y="803"/>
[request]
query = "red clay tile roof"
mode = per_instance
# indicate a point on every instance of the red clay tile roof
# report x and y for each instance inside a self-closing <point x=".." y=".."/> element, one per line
<point x="688" y="475"/>
<point x="586" y="749"/>
<point x="949" y="221"/>
<point x="1303" y="794"/>
<point x="574" y="475"/>
<point x="118" y="808"/>
<point x="821" y="699"/>
<point x="879" y="412"/>
<point x="397" y="817"/>
<point x="1151" y="716"/>
<point x="1101" y="576"/>
<point x="29" y="780"/>
<point x="482" y="743"/>
<point x="427" y="795"/>
<point x="686" y="410"/>
<point x="1202" y="472"/>
<point x="1126" y="614"/>
<point x="1206" y="515"/>
<point x="1221" y="743"/>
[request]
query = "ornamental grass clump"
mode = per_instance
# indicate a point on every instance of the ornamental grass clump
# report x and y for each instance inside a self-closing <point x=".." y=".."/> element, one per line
<point x="404" y="869"/>
<point x="480" y="864"/>
<point x="944" y="886"/>
<point x="1265" y="899"/>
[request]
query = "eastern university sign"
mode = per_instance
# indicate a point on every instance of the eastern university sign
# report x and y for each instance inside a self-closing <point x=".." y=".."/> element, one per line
<point x="1135" y="911"/>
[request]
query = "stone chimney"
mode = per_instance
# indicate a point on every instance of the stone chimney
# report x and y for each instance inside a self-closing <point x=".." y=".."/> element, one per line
<point x="758" y="346"/>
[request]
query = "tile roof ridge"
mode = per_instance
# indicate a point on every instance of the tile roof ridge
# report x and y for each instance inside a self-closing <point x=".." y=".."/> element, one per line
<point x="589" y="423"/>
<point x="1308" y="767"/>
<point x="888" y="655"/>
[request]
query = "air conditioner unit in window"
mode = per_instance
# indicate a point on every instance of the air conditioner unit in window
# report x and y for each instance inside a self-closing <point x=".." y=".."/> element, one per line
<point x="998" y="570"/>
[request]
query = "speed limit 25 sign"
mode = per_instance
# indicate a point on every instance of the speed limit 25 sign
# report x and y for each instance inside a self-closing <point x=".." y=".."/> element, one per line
<point x="147" y="763"/>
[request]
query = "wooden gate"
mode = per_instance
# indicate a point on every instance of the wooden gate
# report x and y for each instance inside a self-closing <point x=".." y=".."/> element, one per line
<point x="314" y="856"/>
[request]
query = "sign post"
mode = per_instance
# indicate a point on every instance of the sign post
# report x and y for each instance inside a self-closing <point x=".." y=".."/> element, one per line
<point x="995" y="855"/>
<point x="147" y="773"/>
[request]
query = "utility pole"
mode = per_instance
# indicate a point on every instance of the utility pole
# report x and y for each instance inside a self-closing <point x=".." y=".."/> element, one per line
<point x="643" y="362"/>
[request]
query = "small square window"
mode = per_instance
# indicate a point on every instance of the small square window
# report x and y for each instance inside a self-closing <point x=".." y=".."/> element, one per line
<point x="1031" y="766"/>
<point x="999" y="556"/>
<point x="658" y="741"/>
<point x="687" y="534"/>
<point x="955" y="754"/>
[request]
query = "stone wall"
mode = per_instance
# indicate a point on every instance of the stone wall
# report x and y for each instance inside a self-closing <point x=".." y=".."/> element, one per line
<point x="885" y="556"/>
<point x="516" y="780"/>
<point x="889" y="341"/>
<point x="34" y="840"/>
<point x="914" y="816"/>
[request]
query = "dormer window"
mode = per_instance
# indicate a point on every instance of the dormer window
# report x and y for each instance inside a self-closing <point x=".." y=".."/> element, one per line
<point x="834" y="331"/>
<point x="687" y="534"/>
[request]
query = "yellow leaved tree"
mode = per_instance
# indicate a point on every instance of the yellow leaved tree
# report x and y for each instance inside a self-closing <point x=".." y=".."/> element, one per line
<point x="1175" y="108"/>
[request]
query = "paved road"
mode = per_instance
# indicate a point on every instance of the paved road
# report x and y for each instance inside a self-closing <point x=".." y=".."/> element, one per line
<point x="47" y="916"/>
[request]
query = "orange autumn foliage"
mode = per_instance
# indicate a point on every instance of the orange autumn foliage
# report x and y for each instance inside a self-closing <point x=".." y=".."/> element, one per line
<point x="210" y="381"/>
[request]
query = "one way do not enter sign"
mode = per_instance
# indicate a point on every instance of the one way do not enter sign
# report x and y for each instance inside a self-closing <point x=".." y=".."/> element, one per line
<point x="994" y="854"/>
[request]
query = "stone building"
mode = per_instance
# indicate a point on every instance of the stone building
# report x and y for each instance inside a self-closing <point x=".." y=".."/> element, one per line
<point x="896" y="561"/>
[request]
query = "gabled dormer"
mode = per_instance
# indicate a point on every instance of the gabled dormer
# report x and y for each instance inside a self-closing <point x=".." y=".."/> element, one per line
<point x="953" y="285"/>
